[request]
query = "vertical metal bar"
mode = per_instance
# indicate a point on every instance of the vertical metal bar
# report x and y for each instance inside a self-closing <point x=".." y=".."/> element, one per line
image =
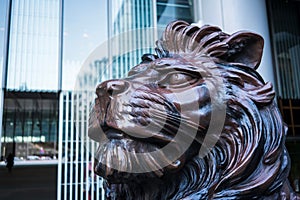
<point x="66" y="145"/>
<point x="123" y="46"/>
<point x="118" y="43"/>
<point x="142" y="26"/>
<point x="154" y="19"/>
<point x="147" y="13"/>
<point x="81" y="147"/>
<point x="87" y="144"/>
<point x="92" y="147"/>
<point x="148" y="19"/>
<point x="77" y="145"/>
<point x="109" y="35"/>
<point x="92" y="171"/>
<point x="128" y="42"/>
<point x="138" y="38"/>
<point x="146" y="25"/>
<point x="71" y="145"/>
<point x="60" y="145"/>
<point x="60" y="46"/>
<point x="133" y="37"/>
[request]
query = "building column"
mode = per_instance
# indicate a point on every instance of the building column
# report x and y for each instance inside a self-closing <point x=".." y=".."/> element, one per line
<point x="4" y="64"/>
<point x="236" y="15"/>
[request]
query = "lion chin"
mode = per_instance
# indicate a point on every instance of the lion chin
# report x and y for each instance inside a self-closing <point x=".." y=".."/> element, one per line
<point x="193" y="121"/>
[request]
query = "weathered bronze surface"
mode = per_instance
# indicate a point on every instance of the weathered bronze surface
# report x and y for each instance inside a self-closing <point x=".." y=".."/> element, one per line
<point x="195" y="73"/>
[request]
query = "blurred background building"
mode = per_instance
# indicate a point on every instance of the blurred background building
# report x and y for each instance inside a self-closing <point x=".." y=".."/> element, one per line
<point x="53" y="53"/>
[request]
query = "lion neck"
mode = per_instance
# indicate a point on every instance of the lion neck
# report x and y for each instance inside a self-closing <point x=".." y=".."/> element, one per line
<point x="190" y="182"/>
<point x="145" y="190"/>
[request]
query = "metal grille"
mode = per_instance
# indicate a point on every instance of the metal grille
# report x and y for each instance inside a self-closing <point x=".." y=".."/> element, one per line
<point x="286" y="46"/>
<point x="76" y="178"/>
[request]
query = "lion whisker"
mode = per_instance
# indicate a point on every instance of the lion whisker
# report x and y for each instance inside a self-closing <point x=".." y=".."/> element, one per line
<point x="181" y="119"/>
<point x="166" y="123"/>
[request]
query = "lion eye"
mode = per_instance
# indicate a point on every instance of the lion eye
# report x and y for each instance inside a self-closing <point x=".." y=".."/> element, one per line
<point x="177" y="80"/>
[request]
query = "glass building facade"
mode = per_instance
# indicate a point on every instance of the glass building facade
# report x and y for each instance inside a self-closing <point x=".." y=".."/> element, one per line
<point x="31" y="74"/>
<point x="285" y="32"/>
<point x="30" y="125"/>
<point x="55" y="52"/>
<point x="132" y="28"/>
<point x="130" y="34"/>
<point x="34" y="46"/>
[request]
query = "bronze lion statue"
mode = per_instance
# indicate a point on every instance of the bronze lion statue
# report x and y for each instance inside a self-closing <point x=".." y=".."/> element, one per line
<point x="193" y="121"/>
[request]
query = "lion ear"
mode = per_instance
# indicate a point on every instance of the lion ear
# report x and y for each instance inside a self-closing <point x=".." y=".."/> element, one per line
<point x="245" y="48"/>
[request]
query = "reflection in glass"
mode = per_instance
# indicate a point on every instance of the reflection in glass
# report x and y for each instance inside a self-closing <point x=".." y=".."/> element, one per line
<point x="132" y="23"/>
<point x="34" y="45"/>
<point x="30" y="123"/>
<point x="170" y="10"/>
<point x="84" y="28"/>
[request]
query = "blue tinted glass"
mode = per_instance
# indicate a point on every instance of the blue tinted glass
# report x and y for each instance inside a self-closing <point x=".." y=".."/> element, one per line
<point x="33" y="60"/>
<point x="168" y="11"/>
<point x="85" y="28"/>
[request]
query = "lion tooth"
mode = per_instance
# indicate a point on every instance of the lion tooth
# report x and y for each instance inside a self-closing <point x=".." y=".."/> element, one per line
<point x="122" y="159"/>
<point x="115" y="156"/>
<point x="108" y="158"/>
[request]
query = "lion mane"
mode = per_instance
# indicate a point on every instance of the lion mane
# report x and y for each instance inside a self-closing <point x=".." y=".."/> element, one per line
<point x="249" y="160"/>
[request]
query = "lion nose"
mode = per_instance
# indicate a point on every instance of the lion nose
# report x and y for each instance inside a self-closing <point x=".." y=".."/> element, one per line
<point x="112" y="87"/>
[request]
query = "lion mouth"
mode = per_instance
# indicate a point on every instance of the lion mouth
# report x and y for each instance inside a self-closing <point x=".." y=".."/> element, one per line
<point x="158" y="140"/>
<point x="112" y="133"/>
<point x="117" y="158"/>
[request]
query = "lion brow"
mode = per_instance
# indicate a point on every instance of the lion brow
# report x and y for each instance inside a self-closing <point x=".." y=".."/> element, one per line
<point x="193" y="70"/>
<point x="185" y="68"/>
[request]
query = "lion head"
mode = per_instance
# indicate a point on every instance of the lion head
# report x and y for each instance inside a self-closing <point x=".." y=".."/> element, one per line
<point x="193" y="121"/>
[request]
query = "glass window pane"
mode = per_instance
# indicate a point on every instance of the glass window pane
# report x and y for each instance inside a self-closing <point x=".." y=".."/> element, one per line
<point x="34" y="45"/>
<point x="168" y="11"/>
<point x="285" y="31"/>
<point x="30" y="125"/>
<point x="82" y="33"/>
<point x="3" y="18"/>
